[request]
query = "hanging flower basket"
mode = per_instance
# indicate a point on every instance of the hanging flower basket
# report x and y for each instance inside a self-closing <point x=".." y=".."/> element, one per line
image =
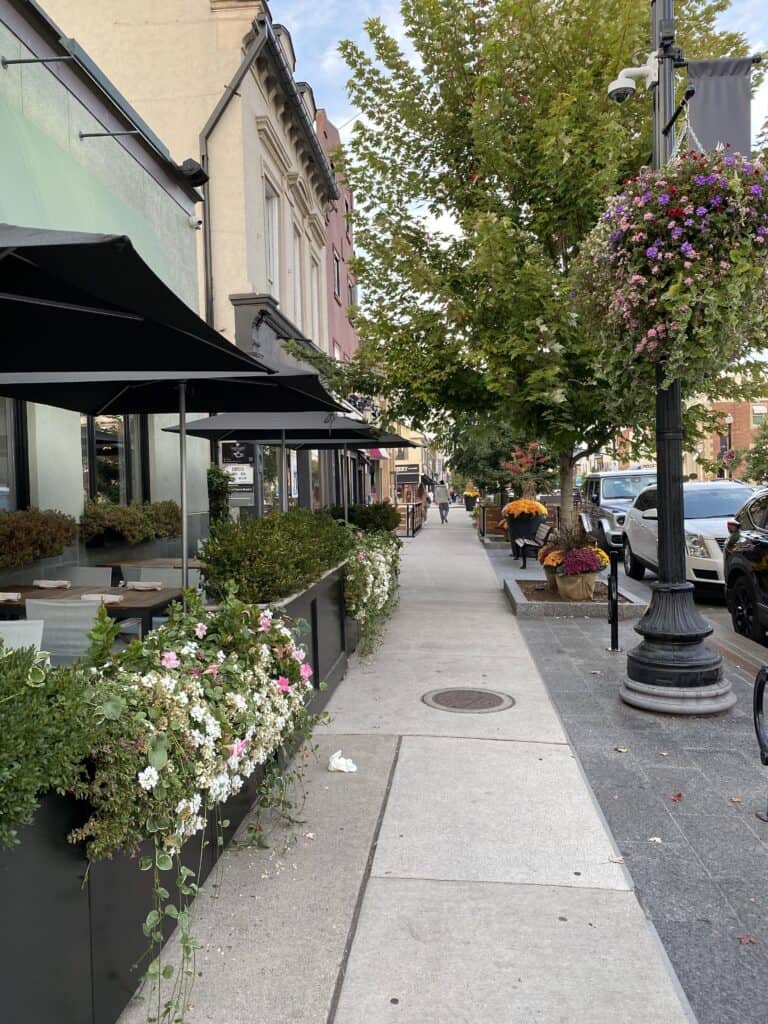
<point x="675" y="271"/>
<point x="576" y="588"/>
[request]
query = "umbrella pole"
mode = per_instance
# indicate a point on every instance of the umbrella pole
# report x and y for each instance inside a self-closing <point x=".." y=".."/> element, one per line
<point x="344" y="483"/>
<point x="183" y="474"/>
<point x="283" y="475"/>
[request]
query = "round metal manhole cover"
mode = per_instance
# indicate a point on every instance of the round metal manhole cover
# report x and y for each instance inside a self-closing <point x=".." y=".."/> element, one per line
<point x="468" y="702"/>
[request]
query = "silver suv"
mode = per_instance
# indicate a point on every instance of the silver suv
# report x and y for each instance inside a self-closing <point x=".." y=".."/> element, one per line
<point x="606" y="498"/>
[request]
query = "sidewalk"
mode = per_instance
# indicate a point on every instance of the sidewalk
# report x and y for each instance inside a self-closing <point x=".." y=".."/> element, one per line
<point x="464" y="874"/>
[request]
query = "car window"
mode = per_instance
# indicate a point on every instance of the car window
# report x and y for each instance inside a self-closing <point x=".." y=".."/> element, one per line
<point x="757" y="512"/>
<point x="625" y="486"/>
<point x="713" y="502"/>
<point x="646" y="499"/>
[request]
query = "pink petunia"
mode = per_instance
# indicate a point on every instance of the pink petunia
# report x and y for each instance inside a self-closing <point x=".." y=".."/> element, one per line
<point x="237" y="749"/>
<point x="200" y="630"/>
<point x="265" y="624"/>
<point x="212" y="670"/>
<point x="169" y="659"/>
<point x="283" y="684"/>
<point x="306" y="670"/>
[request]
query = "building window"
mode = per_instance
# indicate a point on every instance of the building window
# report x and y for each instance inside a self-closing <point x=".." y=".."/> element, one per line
<point x="351" y="293"/>
<point x="347" y="222"/>
<point x="112" y="458"/>
<point x="337" y="351"/>
<point x="297" y="290"/>
<point x="314" y="296"/>
<point x="272" y="232"/>
<point x="7" y="469"/>
<point x="758" y="415"/>
<point x="337" y="275"/>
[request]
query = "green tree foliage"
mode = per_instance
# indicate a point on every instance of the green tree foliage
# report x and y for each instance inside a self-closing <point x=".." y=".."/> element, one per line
<point x="756" y="459"/>
<point x="479" y="164"/>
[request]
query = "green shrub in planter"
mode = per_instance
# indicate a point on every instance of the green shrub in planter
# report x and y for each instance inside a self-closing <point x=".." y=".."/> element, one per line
<point x="29" y="534"/>
<point x="273" y="557"/>
<point x="378" y="516"/>
<point x="218" y="494"/>
<point x="135" y="524"/>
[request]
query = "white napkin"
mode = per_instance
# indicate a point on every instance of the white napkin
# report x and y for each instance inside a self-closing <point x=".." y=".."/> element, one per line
<point x="104" y="598"/>
<point x="52" y="584"/>
<point x="337" y="763"/>
<point x="10" y="595"/>
<point x="143" y="585"/>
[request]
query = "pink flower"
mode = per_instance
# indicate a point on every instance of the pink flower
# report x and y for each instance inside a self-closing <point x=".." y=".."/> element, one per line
<point x="169" y="659"/>
<point x="265" y="624"/>
<point x="306" y="670"/>
<point x="283" y="684"/>
<point x="212" y="670"/>
<point x="237" y="749"/>
<point x="361" y="556"/>
<point x="200" y="630"/>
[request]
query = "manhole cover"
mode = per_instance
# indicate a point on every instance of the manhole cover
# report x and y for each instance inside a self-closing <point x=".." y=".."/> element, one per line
<point x="466" y="701"/>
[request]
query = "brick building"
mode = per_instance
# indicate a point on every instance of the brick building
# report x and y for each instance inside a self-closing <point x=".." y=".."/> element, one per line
<point x="746" y="419"/>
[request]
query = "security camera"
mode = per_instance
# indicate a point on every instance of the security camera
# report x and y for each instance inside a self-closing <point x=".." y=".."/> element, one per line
<point x="621" y="89"/>
<point x="625" y="85"/>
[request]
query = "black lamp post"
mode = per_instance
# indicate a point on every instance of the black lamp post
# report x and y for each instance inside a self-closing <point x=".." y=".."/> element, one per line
<point x="672" y="669"/>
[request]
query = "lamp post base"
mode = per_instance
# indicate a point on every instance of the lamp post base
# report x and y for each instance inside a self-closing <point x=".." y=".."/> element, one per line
<point x="673" y="700"/>
<point x="672" y="670"/>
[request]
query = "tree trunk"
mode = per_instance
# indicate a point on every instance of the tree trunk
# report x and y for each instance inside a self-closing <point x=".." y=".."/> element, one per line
<point x="565" y="463"/>
<point x="529" y="488"/>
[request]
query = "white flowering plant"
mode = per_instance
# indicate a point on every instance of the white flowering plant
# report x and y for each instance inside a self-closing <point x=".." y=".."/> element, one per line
<point x="371" y="583"/>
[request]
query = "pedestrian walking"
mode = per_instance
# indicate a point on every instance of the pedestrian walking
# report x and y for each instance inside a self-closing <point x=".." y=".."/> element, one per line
<point x="442" y="498"/>
<point x="452" y="493"/>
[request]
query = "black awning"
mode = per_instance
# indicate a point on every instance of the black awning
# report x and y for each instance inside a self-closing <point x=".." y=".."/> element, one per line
<point x="265" y="426"/>
<point x="74" y="301"/>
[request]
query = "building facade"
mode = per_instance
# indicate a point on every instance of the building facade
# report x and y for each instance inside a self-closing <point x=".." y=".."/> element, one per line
<point x="54" y="175"/>
<point x="341" y="284"/>
<point x="741" y="422"/>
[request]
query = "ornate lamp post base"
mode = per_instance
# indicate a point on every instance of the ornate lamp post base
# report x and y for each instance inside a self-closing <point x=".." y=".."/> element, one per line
<point x="672" y="670"/>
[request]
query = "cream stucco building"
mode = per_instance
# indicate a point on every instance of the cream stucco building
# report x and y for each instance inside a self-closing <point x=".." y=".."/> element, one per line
<point x="215" y="79"/>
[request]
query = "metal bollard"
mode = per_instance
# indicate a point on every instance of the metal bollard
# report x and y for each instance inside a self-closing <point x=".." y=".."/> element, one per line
<point x="613" y="601"/>
<point x="759" y="720"/>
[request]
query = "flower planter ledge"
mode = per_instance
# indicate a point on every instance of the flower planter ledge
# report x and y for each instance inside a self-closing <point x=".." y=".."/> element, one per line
<point x="526" y="609"/>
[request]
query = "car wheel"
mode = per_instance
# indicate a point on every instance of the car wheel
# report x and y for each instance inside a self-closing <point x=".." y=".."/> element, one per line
<point x="744" y="613"/>
<point x="634" y="569"/>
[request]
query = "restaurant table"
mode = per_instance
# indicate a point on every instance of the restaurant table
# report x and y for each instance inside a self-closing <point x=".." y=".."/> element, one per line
<point x="136" y="604"/>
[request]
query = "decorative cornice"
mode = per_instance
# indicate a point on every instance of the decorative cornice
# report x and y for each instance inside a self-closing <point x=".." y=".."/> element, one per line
<point x="316" y="227"/>
<point x="300" y="192"/>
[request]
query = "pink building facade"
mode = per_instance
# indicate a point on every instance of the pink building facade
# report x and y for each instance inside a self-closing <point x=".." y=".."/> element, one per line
<point x="342" y="287"/>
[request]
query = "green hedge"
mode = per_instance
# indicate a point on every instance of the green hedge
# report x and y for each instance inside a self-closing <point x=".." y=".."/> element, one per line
<point x="135" y="524"/>
<point x="379" y="516"/>
<point x="272" y="557"/>
<point x="30" y="534"/>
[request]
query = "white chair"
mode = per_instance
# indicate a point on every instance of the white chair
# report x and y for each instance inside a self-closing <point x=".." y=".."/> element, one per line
<point x="22" y="633"/>
<point x="88" y="576"/>
<point x="66" y="625"/>
<point x="168" y="577"/>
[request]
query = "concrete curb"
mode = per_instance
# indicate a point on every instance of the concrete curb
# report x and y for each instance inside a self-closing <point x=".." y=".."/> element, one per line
<point x="527" y="609"/>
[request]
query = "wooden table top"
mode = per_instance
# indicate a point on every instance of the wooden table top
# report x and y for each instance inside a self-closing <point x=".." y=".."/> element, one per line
<point x="133" y="600"/>
<point x="158" y="563"/>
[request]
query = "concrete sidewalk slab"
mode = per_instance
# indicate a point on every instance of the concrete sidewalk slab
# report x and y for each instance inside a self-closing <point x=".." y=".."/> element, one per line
<point x="473" y="810"/>
<point x="275" y="932"/>
<point x="434" y="953"/>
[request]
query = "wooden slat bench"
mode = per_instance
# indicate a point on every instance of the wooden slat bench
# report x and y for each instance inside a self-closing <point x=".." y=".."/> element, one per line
<point x="520" y="545"/>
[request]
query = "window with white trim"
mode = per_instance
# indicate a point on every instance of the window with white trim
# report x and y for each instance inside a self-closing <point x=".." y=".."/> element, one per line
<point x="336" y="275"/>
<point x="314" y="297"/>
<point x="297" y="282"/>
<point x="272" y="233"/>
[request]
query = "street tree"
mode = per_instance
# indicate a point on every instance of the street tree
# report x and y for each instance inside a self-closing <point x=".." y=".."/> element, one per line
<point x="482" y="157"/>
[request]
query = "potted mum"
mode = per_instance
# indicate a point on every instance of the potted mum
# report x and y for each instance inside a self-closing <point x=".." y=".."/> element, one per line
<point x="549" y="564"/>
<point x="576" y="570"/>
<point x="471" y="494"/>
<point x="523" y="516"/>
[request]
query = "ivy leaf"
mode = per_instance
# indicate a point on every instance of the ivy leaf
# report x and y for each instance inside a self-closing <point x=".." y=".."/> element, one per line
<point x="111" y="709"/>
<point x="158" y="751"/>
<point x="164" y="861"/>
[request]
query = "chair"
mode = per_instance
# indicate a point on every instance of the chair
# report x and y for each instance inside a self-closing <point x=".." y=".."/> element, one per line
<point x="22" y="633"/>
<point x="168" y="577"/>
<point x="66" y="625"/>
<point x="89" y="576"/>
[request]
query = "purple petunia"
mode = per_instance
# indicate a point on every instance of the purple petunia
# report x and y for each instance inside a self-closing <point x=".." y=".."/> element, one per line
<point x="686" y="248"/>
<point x="756" y="190"/>
<point x="701" y="211"/>
<point x="676" y="233"/>
<point x="728" y="160"/>
<point x="652" y="252"/>
<point x="663" y="199"/>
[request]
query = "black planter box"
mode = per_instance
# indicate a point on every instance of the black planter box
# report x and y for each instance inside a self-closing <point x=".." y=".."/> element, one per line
<point x="68" y="947"/>
<point x="469" y="503"/>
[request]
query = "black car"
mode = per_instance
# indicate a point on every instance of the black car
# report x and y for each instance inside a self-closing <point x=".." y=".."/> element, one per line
<point x="746" y="567"/>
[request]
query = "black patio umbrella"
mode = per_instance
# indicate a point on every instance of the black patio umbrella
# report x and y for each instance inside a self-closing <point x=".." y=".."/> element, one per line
<point x="88" y="326"/>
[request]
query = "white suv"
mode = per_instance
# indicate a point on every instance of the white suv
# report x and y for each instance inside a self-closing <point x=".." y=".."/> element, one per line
<point x="707" y="508"/>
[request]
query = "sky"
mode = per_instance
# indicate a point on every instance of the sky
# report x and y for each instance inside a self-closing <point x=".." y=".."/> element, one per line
<point x="317" y="26"/>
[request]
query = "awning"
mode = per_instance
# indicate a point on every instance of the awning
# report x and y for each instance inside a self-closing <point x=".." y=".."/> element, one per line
<point x="112" y="310"/>
<point x="263" y="426"/>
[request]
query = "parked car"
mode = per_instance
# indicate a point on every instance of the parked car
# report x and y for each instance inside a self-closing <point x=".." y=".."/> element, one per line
<point x="707" y="508"/>
<point x="607" y="496"/>
<point x="746" y="567"/>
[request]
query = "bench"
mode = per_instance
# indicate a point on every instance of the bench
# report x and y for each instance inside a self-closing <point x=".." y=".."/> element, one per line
<point x="520" y="545"/>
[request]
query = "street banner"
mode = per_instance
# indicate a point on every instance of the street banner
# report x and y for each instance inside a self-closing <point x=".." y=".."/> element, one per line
<point x="719" y="113"/>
